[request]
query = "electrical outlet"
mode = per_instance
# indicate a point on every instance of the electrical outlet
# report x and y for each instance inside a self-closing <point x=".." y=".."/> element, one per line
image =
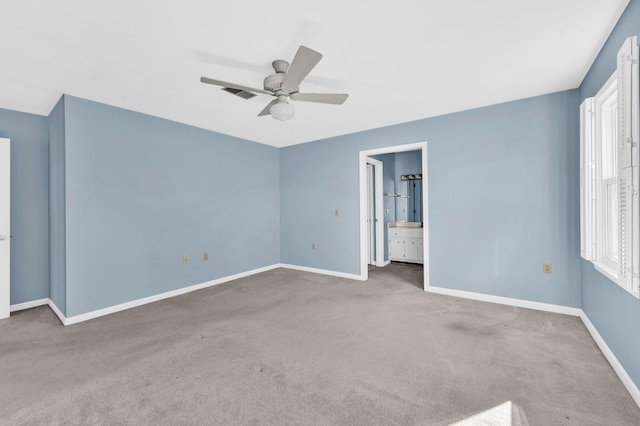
<point x="313" y="246"/>
<point x="185" y="259"/>
<point x="387" y="211"/>
<point x="206" y="256"/>
<point x="337" y="212"/>
<point x="546" y="268"/>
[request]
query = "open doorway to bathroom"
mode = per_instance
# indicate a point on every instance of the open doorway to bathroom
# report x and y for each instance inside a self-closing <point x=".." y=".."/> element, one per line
<point x="403" y="193"/>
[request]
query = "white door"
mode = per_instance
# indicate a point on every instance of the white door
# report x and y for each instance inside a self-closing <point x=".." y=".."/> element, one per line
<point x="375" y="219"/>
<point x="370" y="216"/>
<point x="5" y="211"/>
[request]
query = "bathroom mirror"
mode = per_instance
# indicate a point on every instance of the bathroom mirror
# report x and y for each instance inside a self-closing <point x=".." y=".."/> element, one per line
<point x="409" y="198"/>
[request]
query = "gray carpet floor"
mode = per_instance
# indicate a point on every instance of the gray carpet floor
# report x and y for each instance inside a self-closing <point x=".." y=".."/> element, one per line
<point x="290" y="347"/>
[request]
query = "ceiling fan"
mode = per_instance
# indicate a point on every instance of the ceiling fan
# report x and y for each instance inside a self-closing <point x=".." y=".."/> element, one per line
<point x="284" y="84"/>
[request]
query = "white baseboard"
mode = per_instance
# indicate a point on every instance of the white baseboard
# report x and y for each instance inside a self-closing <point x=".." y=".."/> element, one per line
<point x="58" y="312"/>
<point x="156" y="297"/>
<point x="615" y="364"/>
<point x="139" y="302"/>
<point x="322" y="271"/>
<point x="546" y="307"/>
<point x="29" y="305"/>
<point x="385" y="263"/>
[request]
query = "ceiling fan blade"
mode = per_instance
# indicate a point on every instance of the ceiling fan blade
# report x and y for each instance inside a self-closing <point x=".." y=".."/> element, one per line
<point x="302" y="64"/>
<point x="233" y="86"/>
<point x="323" y="98"/>
<point x="229" y="62"/>
<point x="266" y="109"/>
<point x="240" y="93"/>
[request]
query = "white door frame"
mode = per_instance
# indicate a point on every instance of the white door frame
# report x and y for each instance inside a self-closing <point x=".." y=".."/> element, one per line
<point x="378" y="170"/>
<point x="422" y="146"/>
<point x="5" y="227"/>
<point x="371" y="214"/>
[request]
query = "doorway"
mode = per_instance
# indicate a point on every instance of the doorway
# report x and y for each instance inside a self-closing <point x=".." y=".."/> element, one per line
<point x="364" y="159"/>
<point x="5" y="234"/>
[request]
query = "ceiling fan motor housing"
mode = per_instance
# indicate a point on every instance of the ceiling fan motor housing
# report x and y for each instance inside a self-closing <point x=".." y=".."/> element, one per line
<point x="273" y="82"/>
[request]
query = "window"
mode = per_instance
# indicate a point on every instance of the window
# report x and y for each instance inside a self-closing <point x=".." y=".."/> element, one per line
<point x="609" y="213"/>
<point x="606" y="184"/>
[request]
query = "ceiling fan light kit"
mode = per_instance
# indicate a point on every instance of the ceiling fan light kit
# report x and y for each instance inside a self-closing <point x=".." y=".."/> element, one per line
<point x="284" y="84"/>
<point x="282" y="110"/>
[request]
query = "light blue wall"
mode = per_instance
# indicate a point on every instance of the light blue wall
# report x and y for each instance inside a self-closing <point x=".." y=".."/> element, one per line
<point x="142" y="192"/>
<point x="29" y="199"/>
<point x="503" y="198"/>
<point x="57" y="226"/>
<point x="408" y="162"/>
<point x="614" y="312"/>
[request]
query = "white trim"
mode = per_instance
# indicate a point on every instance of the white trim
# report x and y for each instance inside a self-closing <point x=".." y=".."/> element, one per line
<point x="371" y="214"/>
<point x="425" y="217"/>
<point x="600" y="215"/>
<point x="546" y="307"/>
<point x="58" y="312"/>
<point x="29" y="305"/>
<point x="615" y="364"/>
<point x="5" y="228"/>
<point x="139" y="302"/>
<point x="587" y="179"/>
<point x="322" y="271"/>
<point x="364" y="264"/>
<point x="385" y="263"/>
<point x="364" y="267"/>
<point x="606" y="270"/>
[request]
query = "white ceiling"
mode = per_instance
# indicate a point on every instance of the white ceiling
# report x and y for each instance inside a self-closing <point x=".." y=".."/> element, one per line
<point x="399" y="61"/>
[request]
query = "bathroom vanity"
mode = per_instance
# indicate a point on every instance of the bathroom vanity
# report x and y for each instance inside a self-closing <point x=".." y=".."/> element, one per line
<point x="406" y="242"/>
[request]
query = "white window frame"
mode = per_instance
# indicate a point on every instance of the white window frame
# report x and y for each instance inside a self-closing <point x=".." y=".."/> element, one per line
<point x="604" y="101"/>
<point x="587" y="180"/>
<point x="622" y="267"/>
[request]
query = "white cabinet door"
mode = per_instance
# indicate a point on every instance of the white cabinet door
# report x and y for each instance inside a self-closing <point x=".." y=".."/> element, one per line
<point x="411" y="248"/>
<point x="396" y="248"/>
